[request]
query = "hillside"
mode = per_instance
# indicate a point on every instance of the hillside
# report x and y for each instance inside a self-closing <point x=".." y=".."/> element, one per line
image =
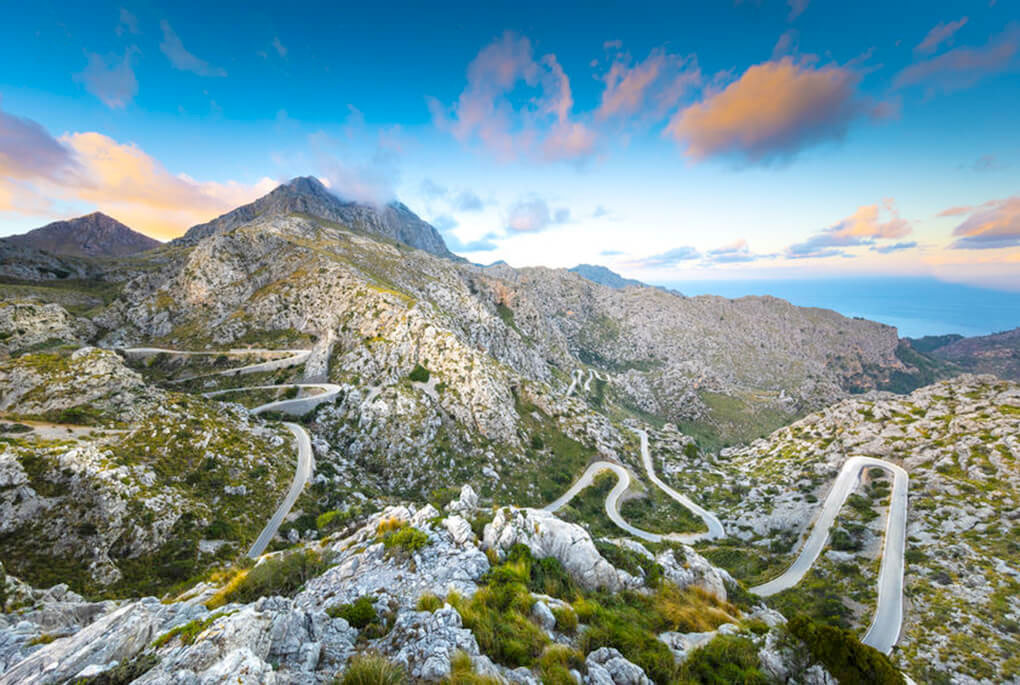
<point x="93" y="235"/>
<point x="307" y="195"/>
<point x="403" y="375"/>
<point x="997" y="354"/>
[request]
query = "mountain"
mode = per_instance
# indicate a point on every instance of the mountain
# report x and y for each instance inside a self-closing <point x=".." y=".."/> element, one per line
<point x="307" y="195"/>
<point x="604" y="276"/>
<point x="997" y="354"/>
<point x="415" y="375"/>
<point x="92" y="235"/>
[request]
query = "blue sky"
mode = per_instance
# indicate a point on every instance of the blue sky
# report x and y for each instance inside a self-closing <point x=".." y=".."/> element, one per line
<point x="754" y="139"/>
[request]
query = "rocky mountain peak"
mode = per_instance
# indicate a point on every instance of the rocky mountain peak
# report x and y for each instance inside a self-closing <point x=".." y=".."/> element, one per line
<point x="307" y="195"/>
<point x="92" y="235"/>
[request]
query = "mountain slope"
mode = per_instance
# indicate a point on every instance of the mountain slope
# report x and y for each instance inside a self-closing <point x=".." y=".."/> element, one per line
<point x="997" y="354"/>
<point x="604" y="276"/>
<point x="307" y="195"/>
<point x="93" y="235"/>
<point x="737" y="369"/>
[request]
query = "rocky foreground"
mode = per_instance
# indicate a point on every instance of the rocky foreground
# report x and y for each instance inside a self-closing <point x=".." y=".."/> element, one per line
<point x="416" y="586"/>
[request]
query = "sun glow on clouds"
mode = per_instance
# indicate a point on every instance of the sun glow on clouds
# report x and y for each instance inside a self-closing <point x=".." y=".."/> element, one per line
<point x="119" y="179"/>
<point x="772" y="111"/>
<point x="142" y="193"/>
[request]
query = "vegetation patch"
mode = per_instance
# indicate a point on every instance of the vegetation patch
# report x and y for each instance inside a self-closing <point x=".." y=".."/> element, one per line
<point x="847" y="658"/>
<point x="373" y="669"/>
<point x="283" y="575"/>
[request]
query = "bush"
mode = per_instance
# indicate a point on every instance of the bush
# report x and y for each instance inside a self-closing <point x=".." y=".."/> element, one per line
<point x="373" y="669"/>
<point x="419" y="374"/>
<point x="566" y="619"/>
<point x="123" y="673"/>
<point x="628" y="622"/>
<point x="726" y="659"/>
<point x="358" y="614"/>
<point x="188" y="632"/>
<point x="499" y="616"/>
<point x="280" y="575"/>
<point x="443" y="496"/>
<point x="555" y="663"/>
<point x="849" y="660"/>
<point x="407" y="540"/>
<point x="462" y="672"/>
<point x="545" y="576"/>
<point x="429" y="602"/>
<point x="632" y="562"/>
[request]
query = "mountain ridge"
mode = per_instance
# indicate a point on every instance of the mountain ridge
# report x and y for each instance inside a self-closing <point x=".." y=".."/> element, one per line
<point x="91" y="235"/>
<point x="308" y="195"/>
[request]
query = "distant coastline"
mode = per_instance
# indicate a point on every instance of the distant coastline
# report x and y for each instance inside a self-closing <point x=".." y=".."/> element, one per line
<point x="916" y="306"/>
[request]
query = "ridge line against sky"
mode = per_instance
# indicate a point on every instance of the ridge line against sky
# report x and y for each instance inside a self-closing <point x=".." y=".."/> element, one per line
<point x="745" y="140"/>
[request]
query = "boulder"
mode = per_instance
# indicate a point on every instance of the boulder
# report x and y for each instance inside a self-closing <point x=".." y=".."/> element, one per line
<point x="547" y="536"/>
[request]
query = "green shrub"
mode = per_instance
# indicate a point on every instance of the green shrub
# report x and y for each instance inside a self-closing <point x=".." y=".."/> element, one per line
<point x="406" y="539"/>
<point x="849" y="660"/>
<point x="373" y="669"/>
<point x="566" y="619"/>
<point x="555" y="663"/>
<point x="632" y="562"/>
<point x="124" y="673"/>
<point x="545" y="576"/>
<point x="499" y="616"/>
<point x="726" y="659"/>
<point x="440" y="497"/>
<point x="281" y="575"/>
<point x="419" y="374"/>
<point x="429" y="602"/>
<point x="188" y="632"/>
<point x="358" y="614"/>
<point x="462" y="672"/>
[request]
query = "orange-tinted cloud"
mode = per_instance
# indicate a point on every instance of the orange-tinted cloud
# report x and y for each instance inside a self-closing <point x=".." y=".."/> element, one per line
<point x="863" y="227"/>
<point x="963" y="67"/>
<point x="771" y="112"/>
<point x="540" y="126"/>
<point x="123" y="180"/>
<point x="992" y="225"/>
<point x="118" y="179"/>
<point x="941" y="33"/>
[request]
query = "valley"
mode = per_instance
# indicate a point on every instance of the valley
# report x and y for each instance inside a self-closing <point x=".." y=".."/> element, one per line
<point x="306" y="403"/>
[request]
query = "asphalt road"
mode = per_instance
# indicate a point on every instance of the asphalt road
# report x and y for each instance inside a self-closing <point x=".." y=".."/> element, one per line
<point x="305" y="463"/>
<point x="888" y="619"/>
<point x="712" y="522"/>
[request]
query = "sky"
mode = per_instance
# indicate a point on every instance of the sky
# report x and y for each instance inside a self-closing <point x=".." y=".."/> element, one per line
<point x="748" y="139"/>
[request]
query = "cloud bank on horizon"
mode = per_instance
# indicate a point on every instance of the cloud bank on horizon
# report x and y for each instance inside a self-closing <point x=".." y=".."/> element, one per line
<point x="660" y="156"/>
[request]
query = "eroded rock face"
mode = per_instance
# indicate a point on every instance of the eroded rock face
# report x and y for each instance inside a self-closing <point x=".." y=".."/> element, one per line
<point x="364" y="569"/>
<point x="424" y="642"/>
<point x="24" y="325"/>
<point x="269" y="641"/>
<point x="547" y="536"/>
<point x="606" y="665"/>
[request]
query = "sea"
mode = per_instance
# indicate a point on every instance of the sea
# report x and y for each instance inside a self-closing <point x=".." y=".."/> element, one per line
<point x="915" y="306"/>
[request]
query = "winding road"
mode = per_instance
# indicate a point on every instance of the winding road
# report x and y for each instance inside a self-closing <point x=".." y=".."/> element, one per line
<point x="885" y="627"/>
<point x="295" y="358"/>
<point x="887" y="622"/>
<point x="295" y="406"/>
